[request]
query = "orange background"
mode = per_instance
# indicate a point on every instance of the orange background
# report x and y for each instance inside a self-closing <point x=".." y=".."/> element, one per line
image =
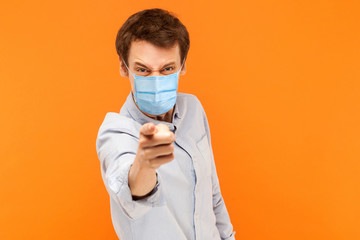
<point x="279" y="81"/>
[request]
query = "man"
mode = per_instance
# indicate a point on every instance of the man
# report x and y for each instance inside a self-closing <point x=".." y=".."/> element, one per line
<point x="156" y="157"/>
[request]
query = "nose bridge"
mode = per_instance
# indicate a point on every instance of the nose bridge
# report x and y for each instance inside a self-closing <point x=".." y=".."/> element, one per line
<point x="155" y="73"/>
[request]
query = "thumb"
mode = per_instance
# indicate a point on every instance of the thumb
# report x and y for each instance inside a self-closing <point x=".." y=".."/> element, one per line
<point x="164" y="130"/>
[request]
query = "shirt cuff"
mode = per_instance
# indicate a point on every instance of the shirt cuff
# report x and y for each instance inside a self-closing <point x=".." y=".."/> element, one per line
<point x="232" y="237"/>
<point x="135" y="209"/>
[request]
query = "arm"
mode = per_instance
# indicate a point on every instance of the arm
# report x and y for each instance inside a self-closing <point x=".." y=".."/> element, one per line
<point x="155" y="148"/>
<point x="116" y="147"/>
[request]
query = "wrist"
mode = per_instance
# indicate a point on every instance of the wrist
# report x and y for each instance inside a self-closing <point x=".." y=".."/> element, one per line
<point x="141" y="179"/>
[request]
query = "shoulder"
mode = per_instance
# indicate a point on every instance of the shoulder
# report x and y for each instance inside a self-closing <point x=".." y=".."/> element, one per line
<point x="187" y="96"/>
<point x="117" y="132"/>
<point x="193" y="113"/>
<point x="190" y="99"/>
<point x="118" y="123"/>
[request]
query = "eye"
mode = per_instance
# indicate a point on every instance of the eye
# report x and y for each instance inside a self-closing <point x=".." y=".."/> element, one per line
<point x="169" y="69"/>
<point x="142" y="70"/>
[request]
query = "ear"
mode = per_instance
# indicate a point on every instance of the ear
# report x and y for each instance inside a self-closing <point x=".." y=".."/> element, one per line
<point x="123" y="69"/>
<point x="183" y="70"/>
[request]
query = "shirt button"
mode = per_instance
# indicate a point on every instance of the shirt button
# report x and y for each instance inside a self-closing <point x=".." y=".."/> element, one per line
<point x="194" y="159"/>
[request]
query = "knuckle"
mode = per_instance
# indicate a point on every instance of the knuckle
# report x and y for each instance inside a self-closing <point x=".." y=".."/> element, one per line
<point x="146" y="154"/>
<point x="153" y="164"/>
<point x="171" y="148"/>
<point x="142" y="142"/>
<point x="141" y="155"/>
<point x="168" y="158"/>
<point x="172" y="136"/>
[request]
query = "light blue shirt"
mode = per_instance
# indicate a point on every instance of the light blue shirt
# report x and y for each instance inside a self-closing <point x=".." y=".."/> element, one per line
<point x="187" y="203"/>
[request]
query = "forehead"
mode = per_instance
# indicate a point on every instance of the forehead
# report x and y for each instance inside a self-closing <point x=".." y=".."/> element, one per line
<point x="151" y="55"/>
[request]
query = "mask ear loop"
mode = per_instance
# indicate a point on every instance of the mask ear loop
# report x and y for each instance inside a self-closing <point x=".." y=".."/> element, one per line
<point x="182" y="64"/>
<point x="134" y="98"/>
<point x="178" y="72"/>
<point x="128" y="68"/>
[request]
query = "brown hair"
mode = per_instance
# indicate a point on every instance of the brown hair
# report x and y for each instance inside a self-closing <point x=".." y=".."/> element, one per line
<point x="156" y="26"/>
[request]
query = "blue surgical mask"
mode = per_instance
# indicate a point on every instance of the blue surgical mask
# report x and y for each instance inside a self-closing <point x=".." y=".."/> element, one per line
<point x="156" y="95"/>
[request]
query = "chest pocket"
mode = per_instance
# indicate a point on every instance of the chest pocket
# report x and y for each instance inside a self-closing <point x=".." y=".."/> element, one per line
<point x="205" y="161"/>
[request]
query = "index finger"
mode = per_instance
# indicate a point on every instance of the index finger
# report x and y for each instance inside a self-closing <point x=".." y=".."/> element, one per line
<point x="148" y="129"/>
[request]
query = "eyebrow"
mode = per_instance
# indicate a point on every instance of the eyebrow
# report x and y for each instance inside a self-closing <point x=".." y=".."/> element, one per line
<point x="142" y="65"/>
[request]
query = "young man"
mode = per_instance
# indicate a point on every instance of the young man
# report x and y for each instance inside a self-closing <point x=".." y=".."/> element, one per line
<point x="156" y="157"/>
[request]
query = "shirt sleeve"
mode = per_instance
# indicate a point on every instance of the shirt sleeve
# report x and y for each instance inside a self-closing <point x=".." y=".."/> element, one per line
<point x="116" y="150"/>
<point x="223" y="222"/>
